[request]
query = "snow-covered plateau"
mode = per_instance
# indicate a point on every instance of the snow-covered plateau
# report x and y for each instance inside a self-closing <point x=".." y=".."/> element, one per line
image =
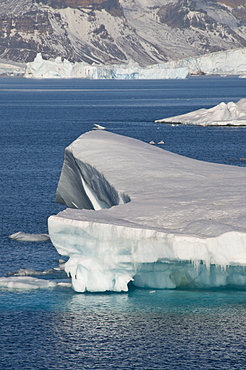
<point x="142" y="214"/>
<point x="232" y="62"/>
<point x="230" y="114"/>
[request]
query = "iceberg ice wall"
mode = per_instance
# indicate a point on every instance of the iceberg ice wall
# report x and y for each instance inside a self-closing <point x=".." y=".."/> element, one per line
<point x="59" y="68"/>
<point x="231" y="62"/>
<point x="137" y="212"/>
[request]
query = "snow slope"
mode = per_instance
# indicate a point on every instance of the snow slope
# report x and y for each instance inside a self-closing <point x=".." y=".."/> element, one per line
<point x="140" y="213"/>
<point x="233" y="114"/>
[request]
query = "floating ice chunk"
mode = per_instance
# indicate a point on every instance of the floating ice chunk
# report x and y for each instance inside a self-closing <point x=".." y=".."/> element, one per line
<point x="180" y="222"/>
<point x="32" y="272"/>
<point x="98" y="127"/>
<point x="21" y="236"/>
<point x="233" y="114"/>
<point x="64" y="283"/>
<point x="25" y="282"/>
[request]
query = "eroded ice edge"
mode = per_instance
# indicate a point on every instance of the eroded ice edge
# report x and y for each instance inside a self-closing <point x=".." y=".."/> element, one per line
<point x="230" y="114"/>
<point x="140" y="213"/>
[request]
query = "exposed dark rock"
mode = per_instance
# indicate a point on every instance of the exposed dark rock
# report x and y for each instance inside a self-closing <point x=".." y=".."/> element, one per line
<point x="55" y="28"/>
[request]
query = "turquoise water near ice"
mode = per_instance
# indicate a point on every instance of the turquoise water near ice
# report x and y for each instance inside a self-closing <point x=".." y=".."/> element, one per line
<point x="58" y="329"/>
<point x="142" y="329"/>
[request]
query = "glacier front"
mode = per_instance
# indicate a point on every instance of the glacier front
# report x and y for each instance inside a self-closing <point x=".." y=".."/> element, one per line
<point x="142" y="214"/>
<point x="229" y="62"/>
<point x="58" y="68"/>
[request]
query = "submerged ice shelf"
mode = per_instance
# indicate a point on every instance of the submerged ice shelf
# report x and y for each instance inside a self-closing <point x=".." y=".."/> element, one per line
<point x="139" y="213"/>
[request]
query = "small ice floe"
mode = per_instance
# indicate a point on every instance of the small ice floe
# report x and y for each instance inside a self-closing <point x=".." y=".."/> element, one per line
<point x="152" y="142"/>
<point x="30" y="272"/>
<point x="98" y="127"/>
<point x="25" y="282"/>
<point x="160" y="142"/>
<point x="65" y="283"/>
<point x="26" y="237"/>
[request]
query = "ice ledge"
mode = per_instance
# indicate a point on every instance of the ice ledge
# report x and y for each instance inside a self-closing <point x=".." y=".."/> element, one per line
<point x="184" y="226"/>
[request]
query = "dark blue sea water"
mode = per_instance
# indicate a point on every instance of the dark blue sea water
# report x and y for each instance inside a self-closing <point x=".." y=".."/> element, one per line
<point x="142" y="329"/>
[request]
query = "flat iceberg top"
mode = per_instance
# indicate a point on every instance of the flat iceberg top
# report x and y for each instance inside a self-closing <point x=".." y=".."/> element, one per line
<point x="233" y="114"/>
<point x="157" y="190"/>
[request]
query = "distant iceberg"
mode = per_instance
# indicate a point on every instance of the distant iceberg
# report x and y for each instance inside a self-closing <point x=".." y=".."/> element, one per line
<point x="59" y="68"/>
<point x="230" y="114"/>
<point x="25" y="282"/>
<point x="142" y="214"/>
<point x="229" y="62"/>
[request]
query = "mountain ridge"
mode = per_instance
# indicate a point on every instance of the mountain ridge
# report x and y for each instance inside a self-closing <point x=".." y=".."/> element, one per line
<point x="115" y="31"/>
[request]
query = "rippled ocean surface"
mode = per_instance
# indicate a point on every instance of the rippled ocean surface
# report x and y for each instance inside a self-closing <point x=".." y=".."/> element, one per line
<point x="142" y="329"/>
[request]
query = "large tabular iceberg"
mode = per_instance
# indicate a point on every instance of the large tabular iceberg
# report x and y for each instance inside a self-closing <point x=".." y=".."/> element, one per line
<point x="233" y="114"/>
<point x="137" y="212"/>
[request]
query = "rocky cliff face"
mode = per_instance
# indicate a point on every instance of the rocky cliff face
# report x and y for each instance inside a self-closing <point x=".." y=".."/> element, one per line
<point x="114" y="31"/>
<point x="202" y="27"/>
<point x="112" y="6"/>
